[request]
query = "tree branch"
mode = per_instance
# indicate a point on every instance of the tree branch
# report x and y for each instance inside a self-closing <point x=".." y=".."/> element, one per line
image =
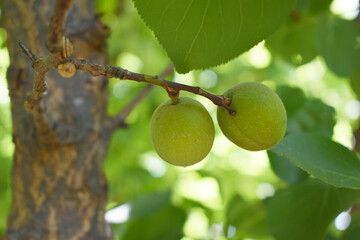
<point x="120" y="119"/>
<point x="172" y="88"/>
<point x="43" y="65"/>
<point x="28" y="53"/>
<point x="55" y="29"/>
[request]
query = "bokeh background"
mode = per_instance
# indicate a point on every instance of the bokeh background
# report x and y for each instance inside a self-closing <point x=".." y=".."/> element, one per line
<point x="221" y="197"/>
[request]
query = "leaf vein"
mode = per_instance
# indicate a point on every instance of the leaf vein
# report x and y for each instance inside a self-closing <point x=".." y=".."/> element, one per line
<point x="261" y="18"/>
<point x="241" y="24"/>
<point x="222" y="29"/>
<point x="181" y="21"/>
<point x="198" y="32"/>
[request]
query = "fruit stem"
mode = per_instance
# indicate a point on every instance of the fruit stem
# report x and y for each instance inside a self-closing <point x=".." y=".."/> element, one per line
<point x="174" y="95"/>
<point x="174" y="101"/>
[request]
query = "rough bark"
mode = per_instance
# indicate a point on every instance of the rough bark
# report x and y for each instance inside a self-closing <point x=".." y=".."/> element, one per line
<point x="59" y="188"/>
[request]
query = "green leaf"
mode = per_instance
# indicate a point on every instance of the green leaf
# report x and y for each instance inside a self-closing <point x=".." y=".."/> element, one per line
<point x="330" y="236"/>
<point x="353" y="232"/>
<point x="314" y="117"/>
<point x="355" y="83"/>
<point x="292" y="97"/>
<point x="149" y="204"/>
<point x="164" y="224"/>
<point x="203" y="33"/>
<point x="247" y="217"/>
<point x="107" y="6"/>
<point x="306" y="115"/>
<point x="338" y="43"/>
<point x="147" y="212"/>
<point x="285" y="169"/>
<point x="295" y="41"/>
<point x="304" y="211"/>
<point x="313" y="6"/>
<point x="323" y="158"/>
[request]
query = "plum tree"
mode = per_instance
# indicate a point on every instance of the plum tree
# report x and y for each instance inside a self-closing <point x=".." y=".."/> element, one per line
<point x="260" y="119"/>
<point x="183" y="132"/>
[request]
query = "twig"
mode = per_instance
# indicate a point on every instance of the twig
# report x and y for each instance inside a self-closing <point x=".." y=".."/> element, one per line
<point x="55" y="30"/>
<point x="43" y="65"/>
<point x="172" y="88"/>
<point x="28" y="53"/>
<point x="120" y="119"/>
<point x="34" y="98"/>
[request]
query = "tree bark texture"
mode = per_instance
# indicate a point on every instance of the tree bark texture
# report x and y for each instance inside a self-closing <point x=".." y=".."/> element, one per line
<point x="59" y="188"/>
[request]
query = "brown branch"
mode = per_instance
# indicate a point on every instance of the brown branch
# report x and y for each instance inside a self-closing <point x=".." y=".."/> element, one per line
<point x="55" y="29"/>
<point x="120" y="119"/>
<point x="172" y="88"/>
<point x="37" y="93"/>
<point x="43" y="65"/>
<point x="28" y="53"/>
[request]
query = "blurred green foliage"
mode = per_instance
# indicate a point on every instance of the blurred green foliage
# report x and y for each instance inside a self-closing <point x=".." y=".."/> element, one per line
<point x="223" y="196"/>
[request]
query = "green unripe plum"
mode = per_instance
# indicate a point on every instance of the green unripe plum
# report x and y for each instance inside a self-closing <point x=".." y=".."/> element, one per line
<point x="182" y="133"/>
<point x="260" y="119"/>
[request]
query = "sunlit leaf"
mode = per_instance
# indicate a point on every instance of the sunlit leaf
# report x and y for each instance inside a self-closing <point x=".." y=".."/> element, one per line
<point x="203" y="33"/>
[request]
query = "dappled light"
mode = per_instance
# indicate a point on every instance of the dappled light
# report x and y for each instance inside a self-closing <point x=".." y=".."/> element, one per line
<point x="352" y="109"/>
<point x="155" y="166"/>
<point x="204" y="190"/>
<point x="265" y="190"/>
<point x="259" y="56"/>
<point x="343" y="221"/>
<point x="118" y="214"/>
<point x="196" y="225"/>
<point x="130" y="62"/>
<point x="348" y="9"/>
<point x="208" y="79"/>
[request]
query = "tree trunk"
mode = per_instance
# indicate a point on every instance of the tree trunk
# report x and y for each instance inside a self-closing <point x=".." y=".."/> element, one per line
<point x="59" y="188"/>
